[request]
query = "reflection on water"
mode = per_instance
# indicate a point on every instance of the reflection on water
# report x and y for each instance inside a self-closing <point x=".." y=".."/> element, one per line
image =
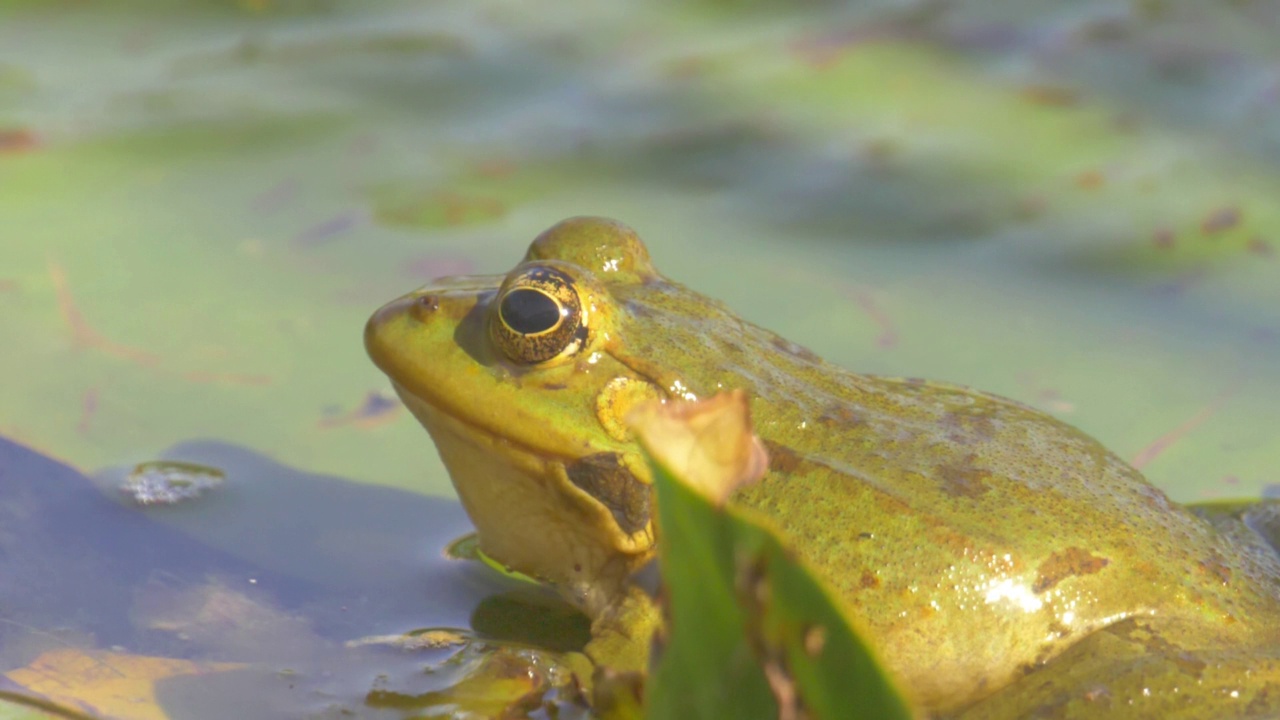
<point x="277" y="571"/>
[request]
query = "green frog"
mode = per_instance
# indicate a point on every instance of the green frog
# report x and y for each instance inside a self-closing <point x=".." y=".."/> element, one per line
<point x="1004" y="563"/>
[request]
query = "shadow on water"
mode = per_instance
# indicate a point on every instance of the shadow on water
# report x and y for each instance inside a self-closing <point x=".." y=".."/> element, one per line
<point x="277" y="569"/>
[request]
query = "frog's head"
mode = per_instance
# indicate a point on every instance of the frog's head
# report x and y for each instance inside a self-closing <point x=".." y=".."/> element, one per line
<point x="520" y="383"/>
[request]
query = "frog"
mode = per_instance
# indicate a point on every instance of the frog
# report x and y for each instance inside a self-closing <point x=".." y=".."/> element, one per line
<point x="1003" y="562"/>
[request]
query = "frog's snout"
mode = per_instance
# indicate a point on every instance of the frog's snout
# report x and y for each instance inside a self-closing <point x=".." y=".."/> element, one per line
<point x="378" y="331"/>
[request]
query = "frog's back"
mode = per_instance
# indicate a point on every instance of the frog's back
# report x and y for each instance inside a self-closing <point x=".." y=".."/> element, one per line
<point x="972" y="536"/>
<point x="979" y="538"/>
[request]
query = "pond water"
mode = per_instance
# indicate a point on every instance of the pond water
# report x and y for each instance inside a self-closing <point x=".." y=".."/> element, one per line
<point x="1072" y="204"/>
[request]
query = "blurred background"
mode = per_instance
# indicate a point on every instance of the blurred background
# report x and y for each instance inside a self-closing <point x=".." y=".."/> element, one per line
<point x="1070" y="203"/>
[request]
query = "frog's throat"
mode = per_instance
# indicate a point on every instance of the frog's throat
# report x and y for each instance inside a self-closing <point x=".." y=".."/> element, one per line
<point x="528" y="514"/>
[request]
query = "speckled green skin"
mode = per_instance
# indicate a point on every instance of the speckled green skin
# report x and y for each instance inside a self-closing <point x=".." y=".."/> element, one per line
<point x="1003" y="562"/>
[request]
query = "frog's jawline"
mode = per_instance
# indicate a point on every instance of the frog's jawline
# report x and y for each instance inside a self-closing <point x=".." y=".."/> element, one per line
<point x="416" y="401"/>
<point x="633" y="525"/>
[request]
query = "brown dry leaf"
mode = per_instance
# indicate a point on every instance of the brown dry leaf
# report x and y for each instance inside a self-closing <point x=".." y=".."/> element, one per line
<point x="104" y="683"/>
<point x="426" y="640"/>
<point x="708" y="443"/>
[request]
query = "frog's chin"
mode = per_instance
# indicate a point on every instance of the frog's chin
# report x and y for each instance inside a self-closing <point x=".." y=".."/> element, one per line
<point x="528" y="516"/>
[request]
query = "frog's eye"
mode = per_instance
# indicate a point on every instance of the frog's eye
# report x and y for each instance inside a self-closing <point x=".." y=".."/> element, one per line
<point x="538" y="317"/>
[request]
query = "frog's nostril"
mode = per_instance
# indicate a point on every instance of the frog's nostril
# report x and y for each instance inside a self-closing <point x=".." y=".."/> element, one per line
<point x="425" y="306"/>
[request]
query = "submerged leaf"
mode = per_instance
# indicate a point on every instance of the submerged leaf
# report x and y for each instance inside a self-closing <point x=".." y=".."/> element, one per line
<point x="105" y="683"/>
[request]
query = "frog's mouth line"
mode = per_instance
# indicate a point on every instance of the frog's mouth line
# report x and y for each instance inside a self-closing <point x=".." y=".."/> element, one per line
<point x="436" y="415"/>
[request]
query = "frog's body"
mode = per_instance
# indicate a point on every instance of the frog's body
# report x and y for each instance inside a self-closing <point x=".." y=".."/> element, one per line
<point x="972" y="538"/>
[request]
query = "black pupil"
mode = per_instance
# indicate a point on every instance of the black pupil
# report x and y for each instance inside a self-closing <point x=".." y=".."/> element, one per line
<point x="529" y="312"/>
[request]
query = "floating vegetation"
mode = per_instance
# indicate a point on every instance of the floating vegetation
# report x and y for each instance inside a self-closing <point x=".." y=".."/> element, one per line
<point x="164" y="482"/>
